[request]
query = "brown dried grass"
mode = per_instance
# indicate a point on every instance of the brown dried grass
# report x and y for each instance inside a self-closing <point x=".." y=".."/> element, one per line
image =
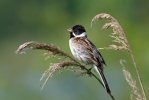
<point x="67" y="63"/>
<point x="119" y="37"/>
<point x="135" y="91"/>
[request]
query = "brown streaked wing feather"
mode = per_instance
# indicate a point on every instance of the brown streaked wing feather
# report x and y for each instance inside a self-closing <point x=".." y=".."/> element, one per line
<point x="97" y="59"/>
<point x="97" y="54"/>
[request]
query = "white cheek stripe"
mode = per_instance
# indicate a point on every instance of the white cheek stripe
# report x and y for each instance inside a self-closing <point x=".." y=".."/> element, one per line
<point x="81" y="35"/>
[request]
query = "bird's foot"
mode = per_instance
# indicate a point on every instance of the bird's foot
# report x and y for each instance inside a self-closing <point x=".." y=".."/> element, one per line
<point x="89" y="72"/>
<point x="82" y="66"/>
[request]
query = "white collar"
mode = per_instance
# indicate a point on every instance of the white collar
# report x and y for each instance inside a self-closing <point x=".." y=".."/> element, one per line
<point x="81" y="35"/>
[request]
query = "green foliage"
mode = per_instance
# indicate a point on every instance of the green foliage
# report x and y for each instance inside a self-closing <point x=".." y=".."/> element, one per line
<point x="47" y="21"/>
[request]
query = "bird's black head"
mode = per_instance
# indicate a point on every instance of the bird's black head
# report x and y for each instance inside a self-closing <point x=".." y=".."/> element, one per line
<point x="77" y="31"/>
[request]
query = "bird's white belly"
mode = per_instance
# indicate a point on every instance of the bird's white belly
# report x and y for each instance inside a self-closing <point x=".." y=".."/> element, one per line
<point x="78" y="53"/>
<point x="72" y="48"/>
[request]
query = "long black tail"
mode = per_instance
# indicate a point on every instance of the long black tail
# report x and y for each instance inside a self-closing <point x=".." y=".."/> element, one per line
<point x="100" y="72"/>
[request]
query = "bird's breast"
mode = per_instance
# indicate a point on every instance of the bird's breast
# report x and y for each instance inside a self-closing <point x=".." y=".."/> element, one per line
<point x="78" y="51"/>
<point x="72" y="47"/>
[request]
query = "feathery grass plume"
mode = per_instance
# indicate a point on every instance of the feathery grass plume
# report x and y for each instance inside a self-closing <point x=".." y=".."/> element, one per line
<point x="35" y="45"/>
<point x="136" y="95"/>
<point x="118" y="34"/>
<point x="119" y="37"/>
<point x="66" y="63"/>
<point x="55" y="67"/>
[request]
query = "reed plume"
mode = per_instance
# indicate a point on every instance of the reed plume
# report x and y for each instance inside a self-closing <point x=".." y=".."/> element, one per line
<point x="68" y="63"/>
<point x="119" y="37"/>
<point x="135" y="91"/>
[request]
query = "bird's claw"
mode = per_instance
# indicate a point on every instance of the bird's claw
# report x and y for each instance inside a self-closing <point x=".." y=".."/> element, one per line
<point x="89" y="72"/>
<point x="82" y="66"/>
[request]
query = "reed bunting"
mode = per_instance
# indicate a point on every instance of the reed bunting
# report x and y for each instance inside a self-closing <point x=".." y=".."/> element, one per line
<point x="85" y="51"/>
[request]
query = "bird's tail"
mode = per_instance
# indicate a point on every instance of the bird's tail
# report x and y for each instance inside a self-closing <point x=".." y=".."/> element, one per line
<point x="100" y="72"/>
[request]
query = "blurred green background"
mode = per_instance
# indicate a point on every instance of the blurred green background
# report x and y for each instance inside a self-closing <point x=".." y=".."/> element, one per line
<point x="46" y="21"/>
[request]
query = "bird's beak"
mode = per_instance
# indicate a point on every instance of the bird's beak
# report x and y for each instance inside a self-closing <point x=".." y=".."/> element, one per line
<point x="69" y="30"/>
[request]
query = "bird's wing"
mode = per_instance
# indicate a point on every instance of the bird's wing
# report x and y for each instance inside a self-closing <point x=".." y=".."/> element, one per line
<point x="96" y="53"/>
<point x="88" y="46"/>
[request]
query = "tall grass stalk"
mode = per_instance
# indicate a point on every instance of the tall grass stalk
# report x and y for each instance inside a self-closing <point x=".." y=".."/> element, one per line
<point x="119" y="37"/>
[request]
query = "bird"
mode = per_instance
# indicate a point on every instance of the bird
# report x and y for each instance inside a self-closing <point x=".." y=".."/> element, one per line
<point x="86" y="52"/>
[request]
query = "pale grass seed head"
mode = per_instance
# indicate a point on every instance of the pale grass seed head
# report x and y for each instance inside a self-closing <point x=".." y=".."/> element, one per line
<point x="53" y="51"/>
<point x="135" y="91"/>
<point x="58" y="67"/>
<point x="118" y="34"/>
<point x="119" y="38"/>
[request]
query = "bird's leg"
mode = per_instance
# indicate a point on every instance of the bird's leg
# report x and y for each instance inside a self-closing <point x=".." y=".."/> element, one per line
<point x="82" y="66"/>
<point x="89" y="71"/>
